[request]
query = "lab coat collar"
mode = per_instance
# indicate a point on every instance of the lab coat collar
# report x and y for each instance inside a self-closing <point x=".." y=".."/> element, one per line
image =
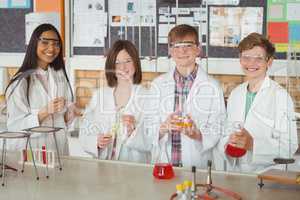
<point x="201" y="75"/>
<point x="169" y="81"/>
<point x="266" y="84"/>
<point x="130" y="100"/>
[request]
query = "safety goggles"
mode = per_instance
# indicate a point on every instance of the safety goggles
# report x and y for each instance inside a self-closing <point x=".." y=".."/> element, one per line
<point x="47" y="42"/>
<point x="183" y="44"/>
<point x="255" y="58"/>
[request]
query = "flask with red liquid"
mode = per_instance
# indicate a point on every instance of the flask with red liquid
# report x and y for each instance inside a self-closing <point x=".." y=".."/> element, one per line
<point x="235" y="152"/>
<point x="162" y="169"/>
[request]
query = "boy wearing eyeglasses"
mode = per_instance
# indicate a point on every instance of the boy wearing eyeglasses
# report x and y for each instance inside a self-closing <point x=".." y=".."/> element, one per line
<point x="189" y="105"/>
<point x="263" y="107"/>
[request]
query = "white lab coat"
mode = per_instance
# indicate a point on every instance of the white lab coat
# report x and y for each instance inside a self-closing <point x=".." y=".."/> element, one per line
<point x="22" y="114"/>
<point x="205" y="103"/>
<point x="269" y="121"/>
<point x="99" y="117"/>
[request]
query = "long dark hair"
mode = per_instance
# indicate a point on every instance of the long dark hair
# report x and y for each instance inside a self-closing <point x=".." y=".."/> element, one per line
<point x="30" y="63"/>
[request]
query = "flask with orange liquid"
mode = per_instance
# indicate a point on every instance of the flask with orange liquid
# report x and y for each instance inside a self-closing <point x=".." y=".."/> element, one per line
<point x="183" y="119"/>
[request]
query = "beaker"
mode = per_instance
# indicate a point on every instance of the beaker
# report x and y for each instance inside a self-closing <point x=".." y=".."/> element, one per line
<point x="163" y="169"/>
<point x="182" y="117"/>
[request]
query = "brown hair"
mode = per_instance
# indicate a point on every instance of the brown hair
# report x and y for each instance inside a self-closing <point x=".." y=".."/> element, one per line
<point x="256" y="39"/>
<point x="110" y="65"/>
<point x="181" y="31"/>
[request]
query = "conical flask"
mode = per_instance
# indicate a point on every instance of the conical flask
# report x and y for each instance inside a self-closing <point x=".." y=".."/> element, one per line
<point x="235" y="152"/>
<point x="163" y="169"/>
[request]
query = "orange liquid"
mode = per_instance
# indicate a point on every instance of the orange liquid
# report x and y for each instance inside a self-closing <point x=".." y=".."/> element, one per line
<point x="184" y="122"/>
<point x="163" y="171"/>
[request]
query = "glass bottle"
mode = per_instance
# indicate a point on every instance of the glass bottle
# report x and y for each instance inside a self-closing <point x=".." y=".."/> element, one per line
<point x="183" y="119"/>
<point x="162" y="169"/>
<point x="235" y="152"/>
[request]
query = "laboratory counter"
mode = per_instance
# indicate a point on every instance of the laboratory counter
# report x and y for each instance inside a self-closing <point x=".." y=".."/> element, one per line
<point x="111" y="180"/>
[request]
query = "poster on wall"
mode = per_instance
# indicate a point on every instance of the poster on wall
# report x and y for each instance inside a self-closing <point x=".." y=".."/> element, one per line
<point x="132" y="13"/>
<point x="229" y="25"/>
<point x="3" y="3"/>
<point x="90" y="23"/>
<point x="171" y="16"/>
<point x="19" y="4"/>
<point x="223" y="2"/>
<point x="33" y="20"/>
<point x="283" y="24"/>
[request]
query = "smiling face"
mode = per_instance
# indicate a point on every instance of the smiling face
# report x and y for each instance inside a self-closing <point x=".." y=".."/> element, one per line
<point x="255" y="63"/>
<point x="48" y="48"/>
<point x="125" y="68"/>
<point x="184" y="52"/>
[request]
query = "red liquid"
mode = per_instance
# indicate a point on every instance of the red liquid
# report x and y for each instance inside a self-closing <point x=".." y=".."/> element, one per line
<point x="235" y="152"/>
<point x="44" y="154"/>
<point x="24" y="155"/>
<point x="163" y="171"/>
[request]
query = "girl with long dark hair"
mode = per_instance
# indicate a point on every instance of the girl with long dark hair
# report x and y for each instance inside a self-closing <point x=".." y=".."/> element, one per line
<point x="40" y="94"/>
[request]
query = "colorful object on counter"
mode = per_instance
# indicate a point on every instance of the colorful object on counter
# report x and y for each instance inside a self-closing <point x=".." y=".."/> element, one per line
<point x="44" y="154"/>
<point x="163" y="171"/>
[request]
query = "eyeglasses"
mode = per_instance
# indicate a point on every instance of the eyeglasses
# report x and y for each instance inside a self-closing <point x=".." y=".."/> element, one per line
<point x="46" y="42"/>
<point x="188" y="45"/>
<point x="125" y="62"/>
<point x="257" y="59"/>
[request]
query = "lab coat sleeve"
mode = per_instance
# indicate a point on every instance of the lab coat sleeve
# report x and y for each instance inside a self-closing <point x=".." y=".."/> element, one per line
<point x="139" y="140"/>
<point x="219" y="152"/>
<point x="19" y="114"/>
<point x="211" y="126"/>
<point x="90" y="128"/>
<point x="280" y="138"/>
<point x="152" y="119"/>
<point x="66" y="91"/>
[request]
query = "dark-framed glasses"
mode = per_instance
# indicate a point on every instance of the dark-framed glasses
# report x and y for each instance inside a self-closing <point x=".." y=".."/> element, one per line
<point x="46" y="42"/>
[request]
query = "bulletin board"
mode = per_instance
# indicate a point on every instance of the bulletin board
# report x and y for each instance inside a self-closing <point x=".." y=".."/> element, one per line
<point x="283" y="26"/>
<point x="12" y="23"/>
<point x="146" y="38"/>
<point x="12" y="27"/>
<point x="226" y="50"/>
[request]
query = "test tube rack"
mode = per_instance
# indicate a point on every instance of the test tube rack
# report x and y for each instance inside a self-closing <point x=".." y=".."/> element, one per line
<point x="40" y="159"/>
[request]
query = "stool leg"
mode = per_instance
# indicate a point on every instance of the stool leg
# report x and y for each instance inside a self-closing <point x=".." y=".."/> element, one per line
<point x="261" y="183"/>
<point x="45" y="155"/>
<point x="57" y="151"/>
<point x="36" y="172"/>
<point x="23" y="166"/>
<point x="3" y="160"/>
<point x="2" y="164"/>
<point x="47" y="165"/>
